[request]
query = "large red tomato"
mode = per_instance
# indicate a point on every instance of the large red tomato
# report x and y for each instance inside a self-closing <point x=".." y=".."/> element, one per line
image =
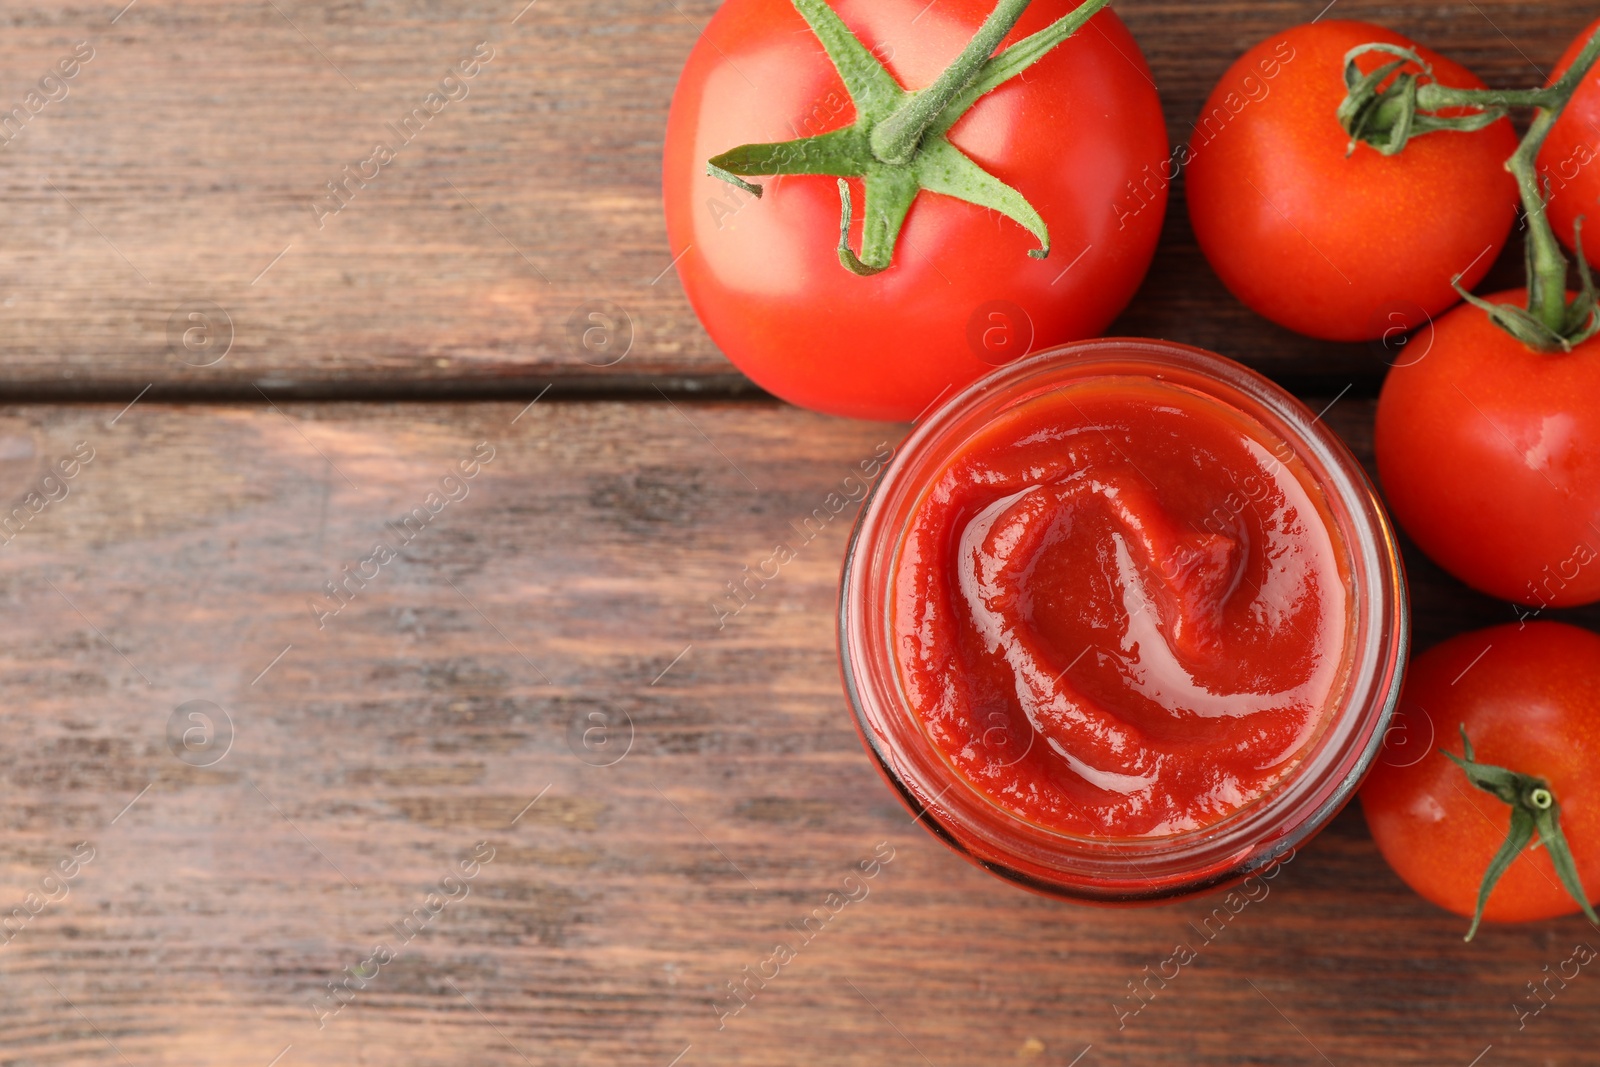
<point x="1339" y="245"/>
<point x="1489" y="455"/>
<point x="1570" y="156"/>
<point x="1080" y="136"/>
<point x="1529" y="697"/>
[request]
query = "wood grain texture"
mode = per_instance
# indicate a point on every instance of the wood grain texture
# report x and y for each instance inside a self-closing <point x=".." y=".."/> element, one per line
<point x="574" y="580"/>
<point x="184" y="160"/>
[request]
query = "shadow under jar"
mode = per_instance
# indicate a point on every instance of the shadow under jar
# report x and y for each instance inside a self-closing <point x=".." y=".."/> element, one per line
<point x="1123" y="622"/>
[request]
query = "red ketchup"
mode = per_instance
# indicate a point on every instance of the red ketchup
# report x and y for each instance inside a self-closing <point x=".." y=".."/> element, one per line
<point x="1120" y="609"/>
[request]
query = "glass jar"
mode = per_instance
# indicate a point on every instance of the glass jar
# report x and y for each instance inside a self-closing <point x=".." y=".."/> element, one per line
<point x="1131" y="870"/>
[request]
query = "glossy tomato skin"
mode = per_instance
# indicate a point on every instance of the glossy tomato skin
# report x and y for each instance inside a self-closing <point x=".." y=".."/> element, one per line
<point x="1570" y="156"/>
<point x="1531" y="704"/>
<point x="1489" y="456"/>
<point x="1072" y="135"/>
<point x="1344" y="248"/>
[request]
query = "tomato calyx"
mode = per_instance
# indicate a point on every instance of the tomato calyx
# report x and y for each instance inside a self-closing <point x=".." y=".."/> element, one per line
<point x="1534" y="809"/>
<point x="1412" y="104"/>
<point x="1564" y="322"/>
<point x="1388" y="116"/>
<point x="897" y="144"/>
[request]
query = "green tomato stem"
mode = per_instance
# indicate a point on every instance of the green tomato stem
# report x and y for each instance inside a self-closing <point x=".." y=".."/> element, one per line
<point x="1547" y="273"/>
<point x="1435" y="97"/>
<point x="1547" y="266"/>
<point x="897" y="146"/>
<point x="1534" y="811"/>
<point x="896" y="139"/>
<point x="1388" y="118"/>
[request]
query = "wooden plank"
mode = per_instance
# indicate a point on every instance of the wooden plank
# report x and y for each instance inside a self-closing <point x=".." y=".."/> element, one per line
<point x="570" y="589"/>
<point x="178" y="176"/>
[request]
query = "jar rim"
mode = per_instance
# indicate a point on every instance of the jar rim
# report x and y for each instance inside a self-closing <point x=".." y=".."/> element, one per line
<point x="1131" y="869"/>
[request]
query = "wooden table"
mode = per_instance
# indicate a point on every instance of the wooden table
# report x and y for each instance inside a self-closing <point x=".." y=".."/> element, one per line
<point x="253" y="790"/>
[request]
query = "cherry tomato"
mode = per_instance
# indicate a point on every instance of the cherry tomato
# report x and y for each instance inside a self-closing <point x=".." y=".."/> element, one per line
<point x="1338" y="245"/>
<point x="1080" y="135"/>
<point x="1489" y="455"/>
<point x="1529" y="697"/>
<point x="1570" y="156"/>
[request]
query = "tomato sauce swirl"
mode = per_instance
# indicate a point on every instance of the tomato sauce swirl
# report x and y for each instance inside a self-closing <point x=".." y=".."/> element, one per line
<point x="1121" y="609"/>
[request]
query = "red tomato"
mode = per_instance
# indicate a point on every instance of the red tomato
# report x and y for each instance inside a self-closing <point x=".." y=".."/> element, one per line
<point x="1570" y="156"/>
<point x="1530" y="700"/>
<point x="1489" y="455"/>
<point x="1336" y="246"/>
<point x="1073" y="135"/>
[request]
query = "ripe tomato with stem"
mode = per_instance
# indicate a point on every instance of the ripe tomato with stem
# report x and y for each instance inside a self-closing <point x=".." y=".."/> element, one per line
<point x="870" y="207"/>
<point x="1491" y="805"/>
<point x="1328" y="234"/>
